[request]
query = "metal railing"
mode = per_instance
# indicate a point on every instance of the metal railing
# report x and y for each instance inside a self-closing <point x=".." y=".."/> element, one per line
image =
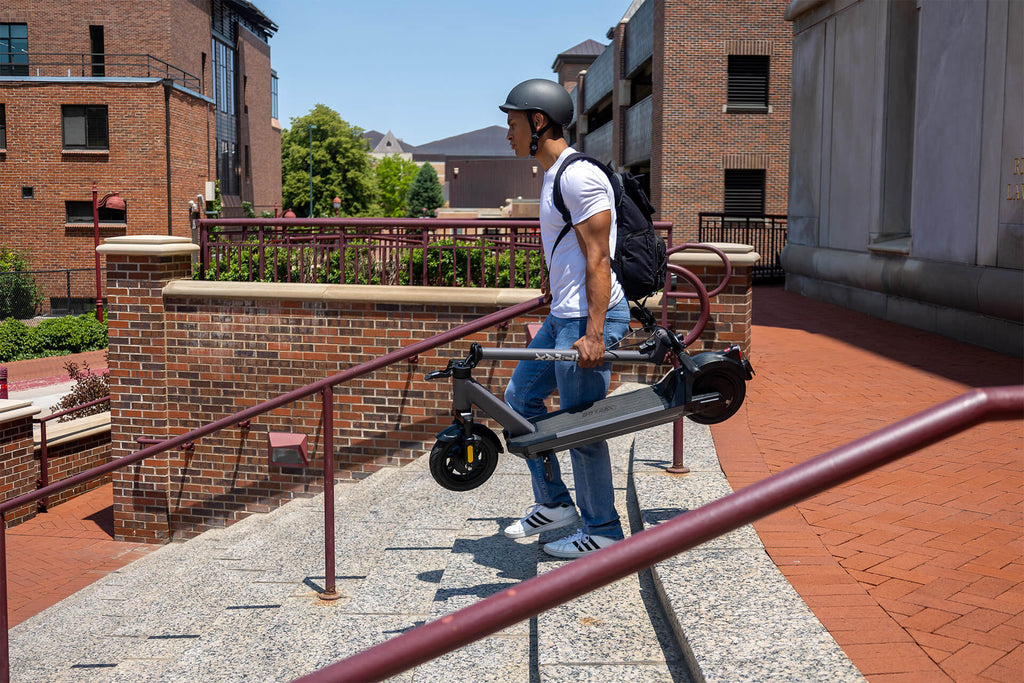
<point x="27" y="293"/>
<point x="686" y="531"/>
<point x="388" y="251"/>
<point x="765" y="232"/>
<point x="44" y="460"/>
<point x="88" y="64"/>
<point x="325" y="387"/>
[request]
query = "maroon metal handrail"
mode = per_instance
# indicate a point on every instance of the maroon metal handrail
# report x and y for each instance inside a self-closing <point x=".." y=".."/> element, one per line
<point x="682" y="533"/>
<point x="44" y="460"/>
<point x="324" y="387"/>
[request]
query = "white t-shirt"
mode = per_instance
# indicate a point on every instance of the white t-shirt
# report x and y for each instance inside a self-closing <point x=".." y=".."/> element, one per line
<point x="586" y="191"/>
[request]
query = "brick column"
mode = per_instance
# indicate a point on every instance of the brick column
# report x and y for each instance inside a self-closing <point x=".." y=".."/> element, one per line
<point x="731" y="310"/>
<point x="18" y="468"/>
<point x="138" y="268"/>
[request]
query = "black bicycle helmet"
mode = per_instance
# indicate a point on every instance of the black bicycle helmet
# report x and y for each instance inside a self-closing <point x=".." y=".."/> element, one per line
<point x="547" y="97"/>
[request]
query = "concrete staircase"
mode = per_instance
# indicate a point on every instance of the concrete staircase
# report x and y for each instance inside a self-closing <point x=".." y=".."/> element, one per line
<point x="241" y="603"/>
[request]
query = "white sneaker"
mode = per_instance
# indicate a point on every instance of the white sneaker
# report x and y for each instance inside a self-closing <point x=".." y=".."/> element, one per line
<point x="540" y="518"/>
<point x="577" y="545"/>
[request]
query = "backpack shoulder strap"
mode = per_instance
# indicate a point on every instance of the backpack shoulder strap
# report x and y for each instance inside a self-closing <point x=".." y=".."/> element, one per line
<point x="557" y="191"/>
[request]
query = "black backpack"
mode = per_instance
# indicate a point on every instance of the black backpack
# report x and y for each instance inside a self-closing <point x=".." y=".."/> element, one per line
<point x="640" y="259"/>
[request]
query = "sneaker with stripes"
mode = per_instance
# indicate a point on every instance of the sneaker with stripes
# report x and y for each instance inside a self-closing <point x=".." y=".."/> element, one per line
<point x="577" y="545"/>
<point x="540" y="518"/>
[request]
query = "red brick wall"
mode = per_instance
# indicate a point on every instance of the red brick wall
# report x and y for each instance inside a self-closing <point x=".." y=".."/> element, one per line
<point x="73" y="457"/>
<point x="135" y="166"/>
<point x="17" y="468"/>
<point x="179" y="362"/>
<point x="263" y="138"/>
<point x="692" y="135"/>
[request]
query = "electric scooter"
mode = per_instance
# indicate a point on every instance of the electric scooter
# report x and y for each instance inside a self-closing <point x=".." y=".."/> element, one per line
<point x="708" y="388"/>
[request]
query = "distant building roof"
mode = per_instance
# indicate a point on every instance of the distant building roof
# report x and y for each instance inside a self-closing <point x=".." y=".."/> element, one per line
<point x="485" y="142"/>
<point x="586" y="51"/>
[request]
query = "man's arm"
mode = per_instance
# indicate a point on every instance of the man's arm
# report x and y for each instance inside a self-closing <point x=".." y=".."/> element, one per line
<point x="592" y="235"/>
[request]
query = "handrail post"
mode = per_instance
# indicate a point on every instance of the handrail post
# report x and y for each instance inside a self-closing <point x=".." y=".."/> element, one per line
<point x="5" y="650"/>
<point x="44" y="467"/>
<point x="330" y="589"/>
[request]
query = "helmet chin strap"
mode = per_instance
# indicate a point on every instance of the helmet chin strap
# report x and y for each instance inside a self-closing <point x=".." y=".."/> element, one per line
<point x="535" y="135"/>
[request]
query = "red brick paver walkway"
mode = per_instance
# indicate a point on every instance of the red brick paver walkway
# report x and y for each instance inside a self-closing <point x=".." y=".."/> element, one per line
<point x="59" y="552"/>
<point x="917" y="569"/>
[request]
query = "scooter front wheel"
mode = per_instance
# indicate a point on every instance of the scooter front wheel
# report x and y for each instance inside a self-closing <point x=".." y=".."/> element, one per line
<point x="728" y="383"/>
<point x="456" y="467"/>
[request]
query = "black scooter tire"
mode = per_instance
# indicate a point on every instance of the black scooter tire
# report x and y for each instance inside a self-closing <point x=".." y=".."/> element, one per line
<point x="728" y="382"/>
<point x="449" y="468"/>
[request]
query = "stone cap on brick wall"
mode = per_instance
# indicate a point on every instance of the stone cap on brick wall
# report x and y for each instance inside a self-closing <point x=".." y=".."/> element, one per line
<point x="740" y="256"/>
<point x="155" y="245"/>
<point x="12" y="409"/>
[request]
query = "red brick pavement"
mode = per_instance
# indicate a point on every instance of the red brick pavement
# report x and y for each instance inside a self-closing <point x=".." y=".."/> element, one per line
<point x="29" y="374"/>
<point x="917" y="569"/>
<point x="57" y="553"/>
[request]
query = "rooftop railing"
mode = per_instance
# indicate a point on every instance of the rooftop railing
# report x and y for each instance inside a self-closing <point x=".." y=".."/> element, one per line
<point x="767" y="233"/>
<point x="98" y="65"/>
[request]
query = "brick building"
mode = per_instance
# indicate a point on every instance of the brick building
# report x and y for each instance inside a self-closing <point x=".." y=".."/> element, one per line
<point x="151" y="100"/>
<point x="695" y="94"/>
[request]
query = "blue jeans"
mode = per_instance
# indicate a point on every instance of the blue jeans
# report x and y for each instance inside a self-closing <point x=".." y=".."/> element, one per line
<point x="533" y="381"/>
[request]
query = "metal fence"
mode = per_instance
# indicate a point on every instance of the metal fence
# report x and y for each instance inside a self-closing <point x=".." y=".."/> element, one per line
<point x="385" y="251"/>
<point x="94" y="64"/>
<point x="766" y="233"/>
<point x="29" y="293"/>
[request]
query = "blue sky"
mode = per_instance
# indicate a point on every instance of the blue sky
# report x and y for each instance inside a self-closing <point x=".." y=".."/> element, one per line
<point x="424" y="70"/>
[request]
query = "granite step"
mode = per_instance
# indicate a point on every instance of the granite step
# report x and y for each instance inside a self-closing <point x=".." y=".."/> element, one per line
<point x="241" y="602"/>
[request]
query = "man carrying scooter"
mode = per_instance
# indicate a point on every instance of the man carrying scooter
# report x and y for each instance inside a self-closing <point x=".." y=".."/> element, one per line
<point x="589" y="312"/>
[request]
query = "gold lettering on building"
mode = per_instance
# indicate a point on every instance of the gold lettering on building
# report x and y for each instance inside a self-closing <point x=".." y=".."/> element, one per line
<point x="1015" y="191"/>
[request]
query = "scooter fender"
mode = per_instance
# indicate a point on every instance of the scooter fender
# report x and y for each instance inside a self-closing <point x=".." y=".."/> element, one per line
<point x="454" y="433"/>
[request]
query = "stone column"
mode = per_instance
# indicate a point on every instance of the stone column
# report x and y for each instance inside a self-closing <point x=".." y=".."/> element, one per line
<point x="138" y="268"/>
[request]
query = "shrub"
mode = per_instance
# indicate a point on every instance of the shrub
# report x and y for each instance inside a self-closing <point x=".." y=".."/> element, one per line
<point x="87" y="387"/>
<point x="52" y="337"/>
<point x="14" y="339"/>
<point x="19" y="295"/>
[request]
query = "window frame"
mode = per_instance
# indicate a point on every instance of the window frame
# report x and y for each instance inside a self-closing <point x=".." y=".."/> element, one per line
<point x="83" y="214"/>
<point x="7" y="66"/>
<point x="87" y="132"/>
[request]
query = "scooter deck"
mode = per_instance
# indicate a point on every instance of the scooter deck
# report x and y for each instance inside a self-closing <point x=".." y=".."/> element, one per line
<point x="609" y="417"/>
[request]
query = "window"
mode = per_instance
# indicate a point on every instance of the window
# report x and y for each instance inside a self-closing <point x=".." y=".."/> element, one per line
<point x="744" y="192"/>
<point x="3" y="126"/>
<point x="85" y="126"/>
<point x="224" y="77"/>
<point x="748" y="83"/>
<point x="81" y="212"/>
<point x="99" y="62"/>
<point x="273" y="94"/>
<point x="13" y="49"/>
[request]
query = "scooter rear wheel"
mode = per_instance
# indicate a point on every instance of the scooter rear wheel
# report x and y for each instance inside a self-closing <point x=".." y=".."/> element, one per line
<point x="450" y="466"/>
<point x="727" y="382"/>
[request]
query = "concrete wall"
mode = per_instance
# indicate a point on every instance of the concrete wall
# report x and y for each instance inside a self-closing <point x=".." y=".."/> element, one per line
<point x="906" y="146"/>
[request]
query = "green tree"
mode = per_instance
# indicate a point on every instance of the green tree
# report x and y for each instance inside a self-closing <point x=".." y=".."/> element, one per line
<point x="394" y="177"/>
<point x="425" y="194"/>
<point x="341" y="165"/>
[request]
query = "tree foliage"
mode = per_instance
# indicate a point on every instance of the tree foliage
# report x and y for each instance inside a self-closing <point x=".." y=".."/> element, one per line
<point x="341" y="165"/>
<point x="19" y="294"/>
<point x="394" y="177"/>
<point x="425" y="194"/>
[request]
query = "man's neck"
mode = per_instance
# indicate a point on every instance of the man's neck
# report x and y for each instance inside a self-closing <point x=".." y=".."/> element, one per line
<point x="549" y="150"/>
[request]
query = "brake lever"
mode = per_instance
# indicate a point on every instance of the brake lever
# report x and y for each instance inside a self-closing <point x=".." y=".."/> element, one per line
<point x="438" y="374"/>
